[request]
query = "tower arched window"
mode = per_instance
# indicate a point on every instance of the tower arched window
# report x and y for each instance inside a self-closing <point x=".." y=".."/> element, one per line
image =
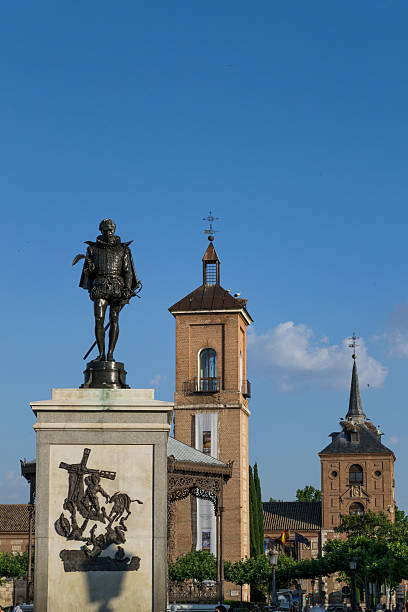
<point x="356" y="474"/>
<point x="208" y="380"/>
<point x="357" y="509"/>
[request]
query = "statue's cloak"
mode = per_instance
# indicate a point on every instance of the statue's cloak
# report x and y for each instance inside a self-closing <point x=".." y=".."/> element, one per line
<point x="86" y="279"/>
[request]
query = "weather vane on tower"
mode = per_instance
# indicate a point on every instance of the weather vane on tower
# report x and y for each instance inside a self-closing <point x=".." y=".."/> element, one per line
<point x="210" y="231"/>
<point x="353" y="344"/>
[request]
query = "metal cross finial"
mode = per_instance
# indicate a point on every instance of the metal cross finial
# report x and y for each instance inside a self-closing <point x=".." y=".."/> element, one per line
<point x="211" y="231"/>
<point x="353" y="344"/>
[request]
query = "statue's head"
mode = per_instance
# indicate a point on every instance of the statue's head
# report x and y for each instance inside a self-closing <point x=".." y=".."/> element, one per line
<point x="107" y="227"/>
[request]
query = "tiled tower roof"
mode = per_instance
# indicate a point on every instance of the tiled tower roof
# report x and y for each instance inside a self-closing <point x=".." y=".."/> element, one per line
<point x="210" y="295"/>
<point x="303" y="516"/>
<point x="358" y="435"/>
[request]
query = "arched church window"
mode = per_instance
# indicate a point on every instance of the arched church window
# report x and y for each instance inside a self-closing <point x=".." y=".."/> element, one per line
<point x="356" y="474"/>
<point x="357" y="509"/>
<point x="208" y="370"/>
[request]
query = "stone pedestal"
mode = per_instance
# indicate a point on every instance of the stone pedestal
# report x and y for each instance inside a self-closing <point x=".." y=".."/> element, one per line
<point x="101" y="501"/>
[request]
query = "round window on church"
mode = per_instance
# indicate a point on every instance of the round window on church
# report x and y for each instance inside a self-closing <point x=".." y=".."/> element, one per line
<point x="334" y="474"/>
<point x="377" y="473"/>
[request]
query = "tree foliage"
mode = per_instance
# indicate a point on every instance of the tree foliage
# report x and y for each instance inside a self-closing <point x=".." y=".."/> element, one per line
<point x="257" y="571"/>
<point x="196" y="565"/>
<point x="400" y="515"/>
<point x="13" y="566"/>
<point x="379" y="546"/>
<point x="308" y="494"/>
<point x="259" y="512"/>
<point x="255" y="513"/>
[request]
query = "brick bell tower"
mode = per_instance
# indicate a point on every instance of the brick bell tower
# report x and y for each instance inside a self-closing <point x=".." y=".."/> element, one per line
<point x="357" y="469"/>
<point x="211" y="406"/>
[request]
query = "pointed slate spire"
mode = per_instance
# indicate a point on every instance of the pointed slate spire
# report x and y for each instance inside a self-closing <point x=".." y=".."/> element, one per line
<point x="355" y="411"/>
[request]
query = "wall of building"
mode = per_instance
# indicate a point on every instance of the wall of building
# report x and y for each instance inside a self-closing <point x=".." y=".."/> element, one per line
<point x="13" y="542"/>
<point x="12" y="592"/>
<point x="226" y="333"/>
<point x="376" y="492"/>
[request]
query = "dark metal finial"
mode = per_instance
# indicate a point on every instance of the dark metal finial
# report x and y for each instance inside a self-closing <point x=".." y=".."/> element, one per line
<point x="353" y="344"/>
<point x="210" y="231"/>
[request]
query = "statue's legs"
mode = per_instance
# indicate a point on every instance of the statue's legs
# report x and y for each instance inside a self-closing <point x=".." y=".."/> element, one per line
<point x="99" y="311"/>
<point x="114" y="330"/>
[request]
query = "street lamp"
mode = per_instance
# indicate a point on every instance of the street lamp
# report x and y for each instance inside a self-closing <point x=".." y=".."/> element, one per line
<point x="353" y="566"/>
<point x="313" y="582"/>
<point x="273" y="561"/>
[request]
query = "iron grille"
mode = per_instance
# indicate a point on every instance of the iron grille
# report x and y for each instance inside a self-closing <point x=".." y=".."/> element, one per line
<point x="202" y="385"/>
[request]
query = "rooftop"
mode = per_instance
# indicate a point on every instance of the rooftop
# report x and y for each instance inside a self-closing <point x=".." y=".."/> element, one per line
<point x="14" y="518"/>
<point x="183" y="452"/>
<point x="209" y="297"/>
<point x="301" y="516"/>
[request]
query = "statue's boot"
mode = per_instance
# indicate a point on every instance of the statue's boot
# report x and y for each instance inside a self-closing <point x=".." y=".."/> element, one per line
<point x="113" y="338"/>
<point x="100" y="340"/>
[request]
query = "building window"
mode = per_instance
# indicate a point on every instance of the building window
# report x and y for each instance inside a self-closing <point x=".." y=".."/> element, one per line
<point x="356" y="474"/>
<point x="210" y="273"/>
<point x="334" y="474"/>
<point x="208" y="370"/>
<point x="207" y="442"/>
<point x="357" y="509"/>
<point x="354" y="436"/>
<point x="377" y="473"/>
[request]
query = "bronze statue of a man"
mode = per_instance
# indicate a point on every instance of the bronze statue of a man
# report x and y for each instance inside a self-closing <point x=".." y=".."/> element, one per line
<point x="109" y="276"/>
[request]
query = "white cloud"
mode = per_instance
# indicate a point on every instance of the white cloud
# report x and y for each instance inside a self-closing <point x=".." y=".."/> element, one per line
<point x="393" y="440"/>
<point x="157" y="380"/>
<point x="292" y="356"/>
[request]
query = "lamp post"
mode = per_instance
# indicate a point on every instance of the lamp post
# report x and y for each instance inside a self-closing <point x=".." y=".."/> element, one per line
<point x="313" y="582"/>
<point x="353" y="566"/>
<point x="273" y="561"/>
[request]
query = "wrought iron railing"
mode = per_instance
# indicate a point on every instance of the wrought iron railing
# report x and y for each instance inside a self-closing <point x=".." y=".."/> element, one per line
<point x="192" y="592"/>
<point x="201" y="385"/>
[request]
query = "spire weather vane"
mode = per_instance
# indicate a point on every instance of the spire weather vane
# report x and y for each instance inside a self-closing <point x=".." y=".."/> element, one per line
<point x="353" y="344"/>
<point x="210" y="231"/>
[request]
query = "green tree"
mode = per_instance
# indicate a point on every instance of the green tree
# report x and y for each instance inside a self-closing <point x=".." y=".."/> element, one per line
<point x="236" y="573"/>
<point x="13" y="566"/>
<point x="252" y="515"/>
<point x="308" y="494"/>
<point x="400" y="515"/>
<point x="196" y="565"/>
<point x="258" y="513"/>
<point x="379" y="546"/>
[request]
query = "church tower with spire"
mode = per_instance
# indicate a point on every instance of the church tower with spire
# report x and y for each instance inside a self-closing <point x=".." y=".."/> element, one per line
<point x="211" y="406"/>
<point x="357" y="470"/>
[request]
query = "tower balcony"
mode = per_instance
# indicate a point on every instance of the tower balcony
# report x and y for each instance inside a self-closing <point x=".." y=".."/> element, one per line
<point x="212" y="384"/>
<point x="202" y="385"/>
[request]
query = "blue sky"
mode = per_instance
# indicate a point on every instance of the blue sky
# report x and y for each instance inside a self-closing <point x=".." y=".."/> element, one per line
<point x="288" y="120"/>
